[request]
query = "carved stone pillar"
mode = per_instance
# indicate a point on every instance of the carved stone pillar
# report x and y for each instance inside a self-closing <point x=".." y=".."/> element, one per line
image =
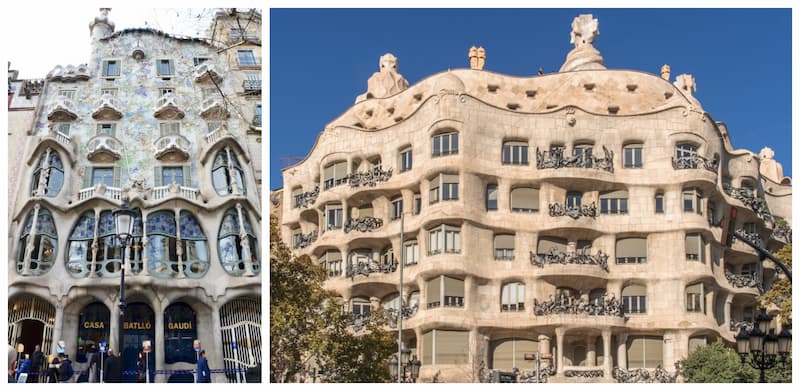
<point x="622" y="350"/>
<point x="246" y="255"/>
<point x="560" y="351"/>
<point x="608" y="365"/>
<point x="544" y="348"/>
<point x="58" y="325"/>
<point x="26" y="266"/>
<point x="145" y="259"/>
<point x="179" y="246"/>
<point x="591" y="353"/>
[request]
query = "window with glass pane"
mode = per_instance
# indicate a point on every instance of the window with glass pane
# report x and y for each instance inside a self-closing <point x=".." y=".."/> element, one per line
<point x="645" y="352"/>
<point x="199" y="60"/>
<point x="515" y="153"/>
<point x="51" y="169"/>
<point x="165" y="91"/>
<point x="165" y="68"/>
<point x="686" y="152"/>
<point x="417" y="204"/>
<point x="63" y="129"/>
<point x="750" y="228"/>
<point x="332" y="262"/>
<point x="79" y="254"/>
<point x="246" y="57"/>
<point x="45" y="243"/>
<point x="397" y="208"/>
<point x="107" y="129"/>
<point x="334" y="216"/>
<point x="693" y="201"/>
<point x="172" y="175"/>
<point x="749" y="270"/>
<point x="695" y="247"/>
<point x="584" y="153"/>
<point x="504" y="247"/>
<point x="491" y="197"/>
<point x="449" y="187"/>
<point x="110" y="68"/>
<point x="512" y="297"/>
<point x="334" y="174"/>
<point x="162" y="245"/>
<point x="525" y="199"/>
<point x="361" y="307"/>
<point x="406" y="161"/>
<point x="93" y="327"/>
<point x="659" y="203"/>
<point x="445" y="144"/>
<point x="634" y="299"/>
<point x="574" y="199"/>
<point x="231" y="246"/>
<point x="223" y="173"/>
<point x="631" y="250"/>
<point x="614" y="202"/>
<point x="170" y="128"/>
<point x="69" y="94"/>
<point x="180" y="331"/>
<point x="196" y="259"/>
<point x="109" y="91"/>
<point x="412" y="252"/>
<point x="632" y="156"/>
<point x="104" y="175"/>
<point x="694" y="298"/>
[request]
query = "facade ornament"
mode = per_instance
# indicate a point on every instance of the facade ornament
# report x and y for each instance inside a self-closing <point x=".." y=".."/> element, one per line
<point x="304" y="200"/>
<point x="477" y="57"/>
<point x="686" y="84"/>
<point x="304" y="241"/>
<point x="369" y="178"/>
<point x="746" y="196"/>
<point x="642" y="375"/>
<point x="587" y="373"/>
<point x="695" y="161"/>
<point x="555" y="158"/>
<point x="584" y="56"/>
<point x="665" y="70"/>
<point x="605" y="306"/>
<point x="570" y="113"/>
<point x="363" y="224"/>
<point x="769" y="167"/>
<point x="744" y="281"/>
<point x="577" y="211"/>
<point x="573" y="258"/>
<point x="386" y="82"/>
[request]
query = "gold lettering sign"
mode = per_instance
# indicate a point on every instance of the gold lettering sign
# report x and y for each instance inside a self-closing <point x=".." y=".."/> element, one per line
<point x="179" y="326"/>
<point x="138" y="325"/>
<point x="94" y="325"/>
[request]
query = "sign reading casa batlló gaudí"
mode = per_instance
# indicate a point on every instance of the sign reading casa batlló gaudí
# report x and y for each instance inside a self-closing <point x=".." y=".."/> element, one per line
<point x="577" y="222"/>
<point x="168" y="127"/>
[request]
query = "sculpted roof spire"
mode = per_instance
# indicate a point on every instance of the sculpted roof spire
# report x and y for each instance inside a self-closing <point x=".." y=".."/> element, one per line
<point x="385" y="82"/>
<point x="584" y="56"/>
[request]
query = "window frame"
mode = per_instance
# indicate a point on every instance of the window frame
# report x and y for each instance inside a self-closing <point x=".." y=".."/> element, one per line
<point x="406" y="159"/>
<point x="515" y="153"/>
<point x="170" y="62"/>
<point x="438" y="144"/>
<point x="105" y="67"/>
<point x="629" y="155"/>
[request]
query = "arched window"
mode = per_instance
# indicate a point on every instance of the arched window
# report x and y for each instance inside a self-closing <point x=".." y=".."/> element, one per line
<point x="225" y="171"/>
<point x="79" y="257"/>
<point x="180" y="331"/>
<point x="93" y="327"/>
<point x="513" y="297"/>
<point x="162" y="244"/>
<point x="45" y="243"/>
<point x="195" y="246"/>
<point x="233" y="253"/>
<point x="50" y="167"/>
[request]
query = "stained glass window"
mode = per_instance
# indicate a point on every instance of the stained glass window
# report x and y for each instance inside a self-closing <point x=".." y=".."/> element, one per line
<point x="45" y="243"/>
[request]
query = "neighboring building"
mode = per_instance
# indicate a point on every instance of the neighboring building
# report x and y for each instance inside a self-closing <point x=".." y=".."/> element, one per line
<point x="583" y="214"/>
<point x="23" y="100"/>
<point x="238" y="34"/>
<point x="152" y="119"/>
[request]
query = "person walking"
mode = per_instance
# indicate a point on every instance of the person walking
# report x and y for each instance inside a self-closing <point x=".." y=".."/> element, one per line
<point x="37" y="364"/>
<point x="25" y="367"/>
<point x="65" y="370"/>
<point x="93" y="375"/>
<point x="203" y="371"/>
<point x="112" y="371"/>
<point x="52" y="369"/>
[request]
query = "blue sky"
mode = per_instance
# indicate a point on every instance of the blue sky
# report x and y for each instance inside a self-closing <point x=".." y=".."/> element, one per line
<point x="320" y="60"/>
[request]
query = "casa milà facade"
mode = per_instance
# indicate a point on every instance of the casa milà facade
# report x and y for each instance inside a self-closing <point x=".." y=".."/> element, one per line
<point x="584" y="215"/>
<point x="153" y="120"/>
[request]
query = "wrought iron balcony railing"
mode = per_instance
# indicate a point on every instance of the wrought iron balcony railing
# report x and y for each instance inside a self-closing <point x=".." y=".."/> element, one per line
<point x="303" y="200"/>
<point x="365" y="268"/>
<point x="642" y="375"/>
<point x="555" y="158"/>
<point x="782" y="232"/>
<point x="252" y="86"/>
<point x="694" y="162"/>
<point x="304" y="241"/>
<point x="575" y="211"/>
<point x="743" y="280"/>
<point x="566" y="305"/>
<point x="573" y="258"/>
<point x="369" y="178"/>
<point x="752" y="236"/>
<point x="589" y="372"/>
<point x="486" y="375"/>
<point x="746" y="196"/>
<point x="390" y="314"/>
<point x="363" y="224"/>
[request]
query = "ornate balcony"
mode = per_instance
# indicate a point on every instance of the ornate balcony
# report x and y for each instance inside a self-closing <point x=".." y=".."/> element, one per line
<point x="306" y="240"/>
<point x="574" y="258"/>
<point x="736" y="325"/>
<point x="103" y="148"/>
<point x="174" y="191"/>
<point x="172" y="144"/>
<point x="251" y="86"/>
<point x="206" y="72"/>
<point x="108" y="109"/>
<point x="390" y="314"/>
<point x="214" y="107"/>
<point x="61" y="138"/>
<point x="100" y="190"/>
<point x="365" y="268"/>
<point x="743" y="280"/>
<point x="746" y="196"/>
<point x="566" y="305"/>
<point x="251" y="63"/>
<point x="64" y="109"/>
<point x="486" y="375"/>
<point x="69" y="73"/>
<point x="555" y="158"/>
<point x="586" y="372"/>
<point x="577" y="211"/>
<point x="782" y="232"/>
<point x="363" y="224"/>
<point x="167" y="107"/>
<point x="694" y="162"/>
<point x="369" y="178"/>
<point x="306" y="199"/>
<point x="642" y="375"/>
<point x="751" y="236"/>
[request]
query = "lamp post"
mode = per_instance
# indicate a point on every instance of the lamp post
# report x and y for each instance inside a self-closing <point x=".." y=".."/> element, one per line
<point x="123" y="217"/>
<point x="764" y="348"/>
<point x="408" y="364"/>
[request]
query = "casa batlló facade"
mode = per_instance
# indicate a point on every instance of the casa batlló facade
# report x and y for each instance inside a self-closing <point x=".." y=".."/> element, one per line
<point x="153" y="120"/>
<point x="583" y="215"/>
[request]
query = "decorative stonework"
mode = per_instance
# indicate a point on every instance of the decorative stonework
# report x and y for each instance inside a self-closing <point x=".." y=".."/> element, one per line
<point x="587" y="373"/>
<point x="577" y="211"/>
<point x="477" y="57"/>
<point x="555" y="158"/>
<point x="363" y="224"/>
<point x="306" y="240"/>
<point x="305" y="199"/>
<point x="365" y="268"/>
<point x="746" y="196"/>
<point x="743" y="281"/>
<point x="751" y="236"/>
<point x="565" y="305"/>
<point x="486" y="375"/>
<point x="573" y="258"/>
<point x="642" y="375"/>
<point x="584" y="56"/>
<point x="693" y="162"/>
<point x="369" y="178"/>
<point x="385" y="83"/>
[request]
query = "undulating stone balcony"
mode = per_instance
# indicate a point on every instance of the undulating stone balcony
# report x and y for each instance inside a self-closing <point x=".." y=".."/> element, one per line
<point x="566" y="305"/>
<point x="694" y="162"/>
<point x="555" y="158"/>
<point x="251" y="86"/>
<point x="172" y="144"/>
<point x="100" y="190"/>
<point x="369" y="178"/>
<point x="108" y="109"/>
<point x="749" y="199"/>
<point x="306" y="199"/>
<point x="206" y="72"/>
<point x="577" y="211"/>
<point x="589" y="372"/>
<point x="174" y="191"/>
<point x="743" y="280"/>
<point x="103" y="147"/>
<point x="306" y="240"/>
<point x="642" y="375"/>
<point x="218" y="134"/>
<point x="64" y="109"/>
<point x="572" y="258"/>
<point x="365" y="268"/>
<point x="214" y="107"/>
<point x="69" y="73"/>
<point x="167" y="107"/>
<point x="363" y="224"/>
<point x="60" y="138"/>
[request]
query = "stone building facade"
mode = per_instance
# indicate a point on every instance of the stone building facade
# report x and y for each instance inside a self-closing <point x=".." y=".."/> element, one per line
<point x="584" y="215"/>
<point x="23" y="100"/>
<point x="153" y="120"/>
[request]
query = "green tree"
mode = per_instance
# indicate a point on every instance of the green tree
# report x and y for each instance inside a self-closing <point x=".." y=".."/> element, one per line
<point x="780" y="292"/>
<point x="716" y="363"/>
<point x="307" y="325"/>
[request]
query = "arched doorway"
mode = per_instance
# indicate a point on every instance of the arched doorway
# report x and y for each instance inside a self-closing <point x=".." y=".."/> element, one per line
<point x="93" y="327"/>
<point x="139" y="325"/>
<point x="30" y="322"/>
<point x="241" y="323"/>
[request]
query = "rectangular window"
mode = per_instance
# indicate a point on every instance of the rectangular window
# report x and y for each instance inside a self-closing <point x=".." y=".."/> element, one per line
<point x="417" y="204"/>
<point x="491" y="197"/>
<point x="110" y="91"/>
<point x="412" y="252"/>
<point x="445" y="144"/>
<point x="615" y="202"/>
<point x="172" y="175"/>
<point x="103" y="175"/>
<point x="335" y="175"/>
<point x="659" y="203"/>
<point x="212" y="126"/>
<point x="504" y="247"/>
<point x="63" y="129"/>
<point x="107" y="129"/>
<point x="165" y="91"/>
<point x="334" y="216"/>
<point x="200" y="60"/>
<point x="165" y="68"/>
<point x="694" y="248"/>
<point x="246" y="58"/>
<point x="634" y="304"/>
<point x="397" y="208"/>
<point x="574" y="200"/>
<point x="449" y="187"/>
<point x="110" y="68"/>
<point x="694" y="298"/>
<point x="169" y="128"/>
<point x="515" y="153"/>
<point x="69" y="94"/>
<point x="444" y="238"/>
<point x="405" y="160"/>
<point x="631" y="251"/>
<point x="632" y="156"/>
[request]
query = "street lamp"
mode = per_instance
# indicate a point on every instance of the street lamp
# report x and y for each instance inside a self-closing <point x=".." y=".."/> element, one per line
<point x="123" y="217"/>
<point x="762" y="345"/>
<point x="408" y="364"/>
